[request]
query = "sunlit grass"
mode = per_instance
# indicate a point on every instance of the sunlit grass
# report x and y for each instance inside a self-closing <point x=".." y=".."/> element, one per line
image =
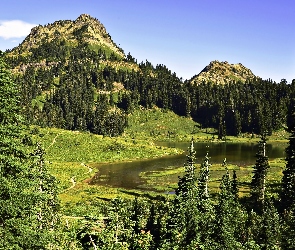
<point x="166" y="180"/>
<point x="74" y="146"/>
<point x="70" y="156"/>
<point x="164" y="125"/>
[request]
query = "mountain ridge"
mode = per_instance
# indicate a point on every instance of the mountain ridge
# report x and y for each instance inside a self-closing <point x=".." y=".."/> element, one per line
<point x="85" y="28"/>
<point x="223" y="72"/>
<point x="47" y="45"/>
<point x="74" y="81"/>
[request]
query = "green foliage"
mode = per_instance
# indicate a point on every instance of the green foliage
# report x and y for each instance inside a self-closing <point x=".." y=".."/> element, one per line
<point x="288" y="229"/>
<point x="162" y="126"/>
<point x="203" y="180"/>
<point x="82" y="147"/>
<point x="183" y="218"/>
<point x="288" y="181"/>
<point x="229" y="215"/>
<point x="28" y="197"/>
<point x="187" y="184"/>
<point x="258" y="184"/>
<point x="272" y="227"/>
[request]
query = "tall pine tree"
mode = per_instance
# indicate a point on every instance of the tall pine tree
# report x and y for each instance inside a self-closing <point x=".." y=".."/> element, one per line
<point x="183" y="218"/>
<point x="204" y="178"/>
<point x="288" y="181"/>
<point x="27" y="199"/>
<point x="228" y="215"/>
<point x="258" y="184"/>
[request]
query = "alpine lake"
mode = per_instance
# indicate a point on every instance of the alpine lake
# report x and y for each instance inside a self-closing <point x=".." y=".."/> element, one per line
<point x="161" y="174"/>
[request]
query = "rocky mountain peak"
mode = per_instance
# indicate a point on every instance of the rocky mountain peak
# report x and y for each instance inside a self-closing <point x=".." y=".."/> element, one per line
<point x="85" y="29"/>
<point x="84" y="17"/>
<point x="223" y="72"/>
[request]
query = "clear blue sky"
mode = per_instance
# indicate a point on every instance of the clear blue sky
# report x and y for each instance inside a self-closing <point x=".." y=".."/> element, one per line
<point x="184" y="35"/>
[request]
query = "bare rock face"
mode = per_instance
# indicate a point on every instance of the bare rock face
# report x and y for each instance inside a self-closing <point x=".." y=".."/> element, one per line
<point x="222" y="73"/>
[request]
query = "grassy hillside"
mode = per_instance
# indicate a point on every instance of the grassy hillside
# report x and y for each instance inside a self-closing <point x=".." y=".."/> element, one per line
<point x="69" y="151"/>
<point x="162" y="125"/>
<point x="71" y="156"/>
<point x="165" y="125"/>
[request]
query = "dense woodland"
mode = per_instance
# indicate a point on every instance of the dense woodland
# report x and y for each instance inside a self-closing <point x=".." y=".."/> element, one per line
<point x="78" y="93"/>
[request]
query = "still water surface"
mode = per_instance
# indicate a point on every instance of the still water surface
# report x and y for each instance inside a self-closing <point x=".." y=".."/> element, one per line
<point x="126" y="174"/>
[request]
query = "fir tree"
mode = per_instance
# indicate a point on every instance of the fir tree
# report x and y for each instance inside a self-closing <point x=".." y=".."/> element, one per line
<point x="234" y="185"/>
<point x="258" y="184"/>
<point x="288" y="181"/>
<point x="27" y="198"/>
<point x="183" y="218"/>
<point x="270" y="227"/>
<point x="227" y="215"/>
<point x="288" y="230"/>
<point x="204" y="178"/>
<point x="186" y="184"/>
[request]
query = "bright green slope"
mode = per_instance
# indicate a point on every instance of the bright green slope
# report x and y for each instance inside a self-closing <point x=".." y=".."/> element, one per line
<point x="72" y="154"/>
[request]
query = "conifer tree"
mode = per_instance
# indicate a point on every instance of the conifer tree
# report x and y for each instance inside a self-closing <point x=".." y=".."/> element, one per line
<point x="186" y="184"/>
<point x="258" y="184"/>
<point x="288" y="181"/>
<point x="204" y="178"/>
<point x="270" y="227"/>
<point x="45" y="190"/>
<point x="227" y="215"/>
<point x="26" y="194"/>
<point x="118" y="226"/>
<point x="152" y="225"/>
<point x="205" y="207"/>
<point x="183" y="218"/>
<point x="235" y="190"/>
<point x="288" y="230"/>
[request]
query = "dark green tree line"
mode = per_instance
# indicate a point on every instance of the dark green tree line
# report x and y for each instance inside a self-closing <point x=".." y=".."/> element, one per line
<point x="28" y="193"/>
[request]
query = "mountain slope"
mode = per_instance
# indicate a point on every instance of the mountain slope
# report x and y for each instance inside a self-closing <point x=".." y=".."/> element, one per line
<point x="85" y="29"/>
<point x="223" y="72"/>
<point x="72" y="76"/>
<point x="55" y="43"/>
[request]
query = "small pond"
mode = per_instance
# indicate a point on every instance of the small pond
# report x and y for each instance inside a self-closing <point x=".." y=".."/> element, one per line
<point x="127" y="174"/>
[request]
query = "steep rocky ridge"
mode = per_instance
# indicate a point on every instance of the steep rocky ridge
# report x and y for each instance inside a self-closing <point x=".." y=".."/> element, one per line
<point x="84" y="39"/>
<point x="85" y="29"/>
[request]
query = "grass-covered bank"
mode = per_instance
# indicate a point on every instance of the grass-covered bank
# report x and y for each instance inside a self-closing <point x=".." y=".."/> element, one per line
<point x="71" y="154"/>
<point x="164" y="125"/>
<point x="74" y="146"/>
<point x="166" y="180"/>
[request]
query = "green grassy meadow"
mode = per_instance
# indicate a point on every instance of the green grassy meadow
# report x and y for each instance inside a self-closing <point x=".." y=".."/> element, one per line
<point x="166" y="180"/>
<point x="71" y="155"/>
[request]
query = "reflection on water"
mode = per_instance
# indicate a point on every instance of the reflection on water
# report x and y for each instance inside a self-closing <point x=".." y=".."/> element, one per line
<point x="127" y="174"/>
<point x="235" y="153"/>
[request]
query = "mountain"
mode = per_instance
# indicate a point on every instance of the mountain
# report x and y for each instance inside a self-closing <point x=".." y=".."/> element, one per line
<point x="71" y="75"/>
<point x="85" y="29"/>
<point x="55" y="43"/>
<point x="223" y="72"/>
